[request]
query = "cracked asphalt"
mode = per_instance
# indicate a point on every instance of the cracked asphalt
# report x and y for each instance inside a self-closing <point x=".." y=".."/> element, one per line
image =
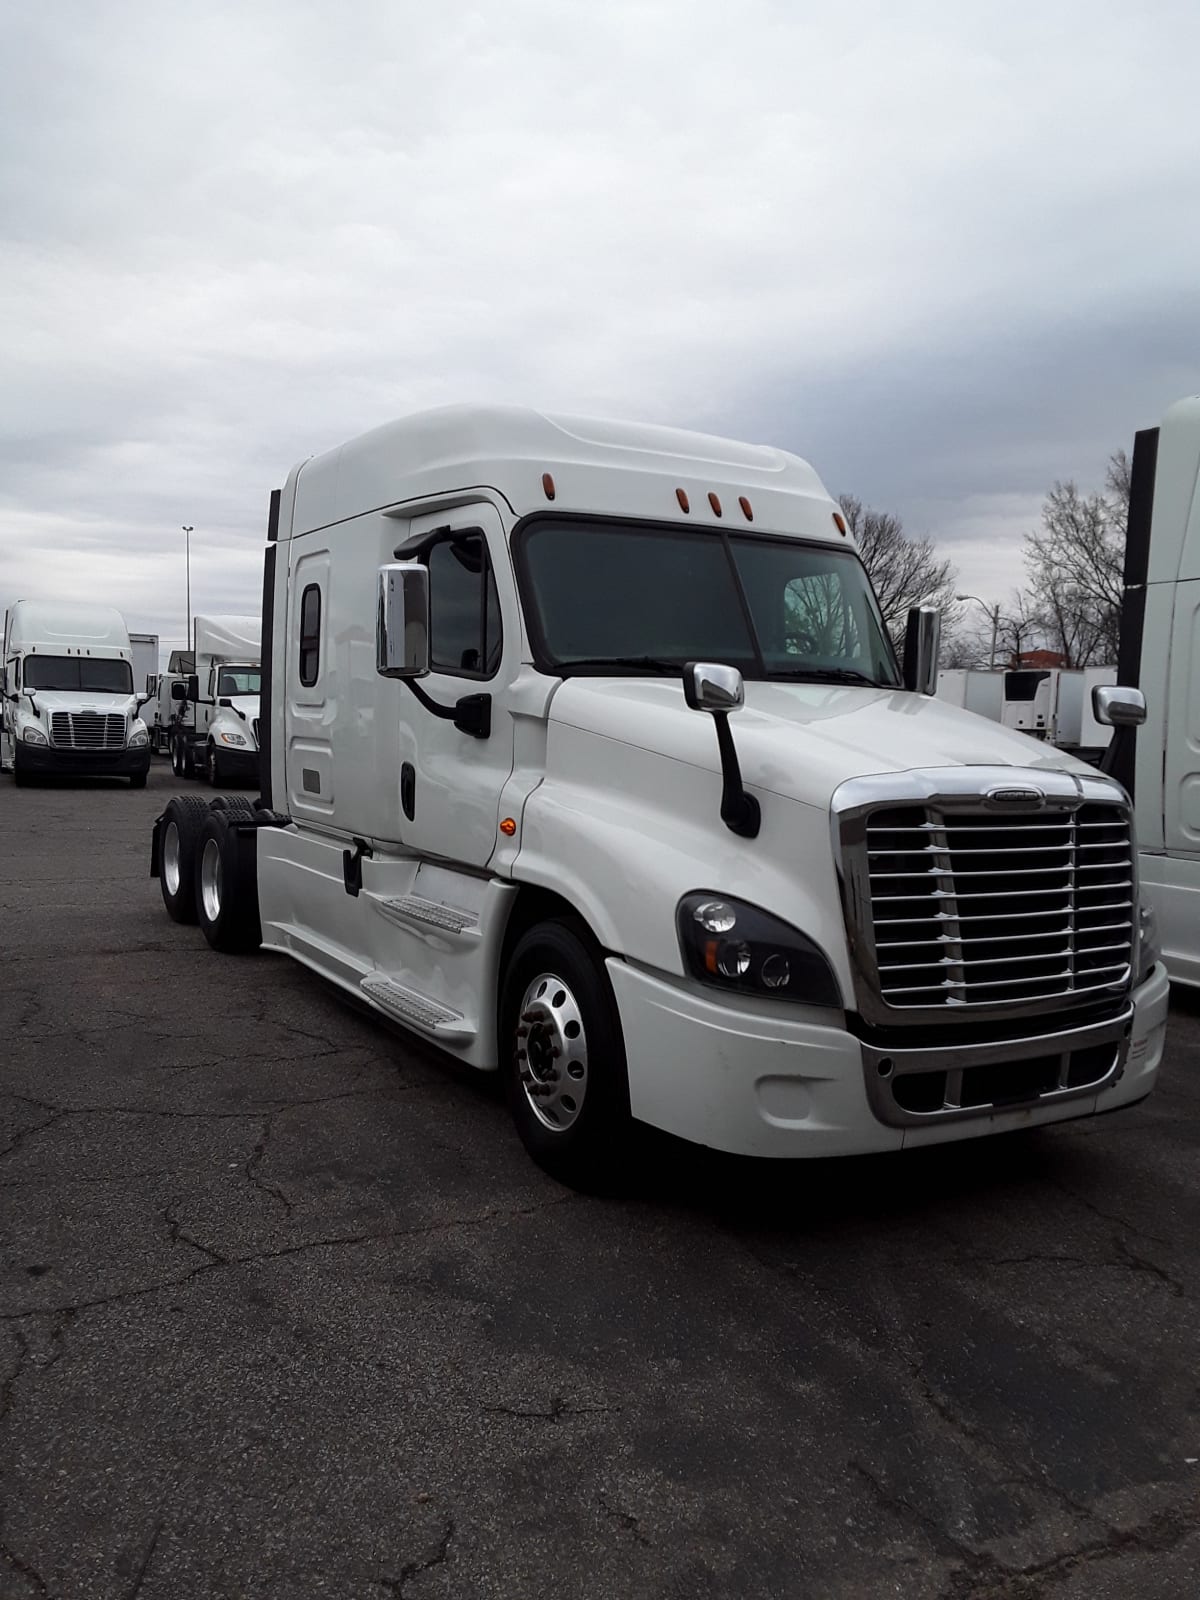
<point x="286" y="1312"/>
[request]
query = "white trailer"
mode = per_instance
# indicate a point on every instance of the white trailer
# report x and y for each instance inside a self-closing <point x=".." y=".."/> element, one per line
<point x="215" y="732"/>
<point x="1160" y="631"/>
<point x="145" y="661"/>
<point x="69" y="702"/>
<point x="587" y="759"/>
<point x="972" y="689"/>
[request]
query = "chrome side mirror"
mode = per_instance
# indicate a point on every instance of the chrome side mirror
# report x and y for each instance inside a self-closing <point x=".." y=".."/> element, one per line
<point x="402" y="621"/>
<point x="1116" y="706"/>
<point x="710" y="687"/>
<point x="922" y="640"/>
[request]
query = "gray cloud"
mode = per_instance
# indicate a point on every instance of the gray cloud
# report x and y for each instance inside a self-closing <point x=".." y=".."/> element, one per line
<point x="948" y="256"/>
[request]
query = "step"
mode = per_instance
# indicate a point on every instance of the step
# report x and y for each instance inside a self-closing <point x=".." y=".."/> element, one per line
<point x="411" y="911"/>
<point x="416" y="1010"/>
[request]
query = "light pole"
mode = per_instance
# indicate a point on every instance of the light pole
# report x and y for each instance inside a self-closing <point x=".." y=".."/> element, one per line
<point x="994" y="613"/>
<point x="188" y="531"/>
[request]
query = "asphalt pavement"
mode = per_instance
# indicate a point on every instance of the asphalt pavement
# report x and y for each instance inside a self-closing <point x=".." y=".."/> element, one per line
<point x="286" y="1312"/>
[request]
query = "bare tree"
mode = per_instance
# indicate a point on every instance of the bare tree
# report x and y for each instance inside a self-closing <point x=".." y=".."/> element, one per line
<point x="904" y="571"/>
<point x="1075" y="563"/>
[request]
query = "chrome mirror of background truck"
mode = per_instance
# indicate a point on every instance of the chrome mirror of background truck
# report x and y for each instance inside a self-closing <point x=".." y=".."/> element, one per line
<point x="709" y="686"/>
<point x="922" y="639"/>
<point x="1116" y="706"/>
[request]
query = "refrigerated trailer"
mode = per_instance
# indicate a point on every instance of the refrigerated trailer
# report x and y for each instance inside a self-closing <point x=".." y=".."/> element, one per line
<point x="586" y="758"/>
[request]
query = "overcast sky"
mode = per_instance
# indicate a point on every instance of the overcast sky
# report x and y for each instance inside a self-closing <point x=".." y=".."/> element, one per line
<point x="947" y="252"/>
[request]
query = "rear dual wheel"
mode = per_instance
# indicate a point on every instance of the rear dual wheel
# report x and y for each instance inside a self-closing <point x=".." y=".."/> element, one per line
<point x="227" y="881"/>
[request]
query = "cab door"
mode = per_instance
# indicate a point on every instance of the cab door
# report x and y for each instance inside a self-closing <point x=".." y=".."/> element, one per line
<point x="450" y="777"/>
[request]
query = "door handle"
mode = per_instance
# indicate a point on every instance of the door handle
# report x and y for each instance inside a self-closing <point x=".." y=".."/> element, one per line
<point x="408" y="790"/>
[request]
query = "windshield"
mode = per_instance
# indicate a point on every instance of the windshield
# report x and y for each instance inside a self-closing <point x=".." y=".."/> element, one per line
<point x="88" y="673"/>
<point x="239" y="680"/>
<point x="651" y="599"/>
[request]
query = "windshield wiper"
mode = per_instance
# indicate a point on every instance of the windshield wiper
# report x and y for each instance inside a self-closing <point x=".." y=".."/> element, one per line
<point x="828" y="675"/>
<point x="624" y="664"/>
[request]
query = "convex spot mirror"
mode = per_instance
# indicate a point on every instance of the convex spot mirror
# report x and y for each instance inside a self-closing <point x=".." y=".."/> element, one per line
<point x="1116" y="706"/>
<point x="402" y="621"/>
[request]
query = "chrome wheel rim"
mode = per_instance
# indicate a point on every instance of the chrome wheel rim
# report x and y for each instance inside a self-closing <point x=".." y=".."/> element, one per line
<point x="172" y="875"/>
<point x="210" y="879"/>
<point x="552" y="1052"/>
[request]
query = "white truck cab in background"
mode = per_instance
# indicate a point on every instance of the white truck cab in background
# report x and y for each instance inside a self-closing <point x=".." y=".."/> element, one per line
<point x="1160" y="654"/>
<point x="69" y="702"/>
<point x="586" y="758"/>
<point x="216" y="730"/>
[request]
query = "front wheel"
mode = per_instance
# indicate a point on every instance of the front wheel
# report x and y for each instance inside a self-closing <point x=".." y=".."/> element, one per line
<point x="137" y="780"/>
<point x="562" y="1054"/>
<point x="213" y="767"/>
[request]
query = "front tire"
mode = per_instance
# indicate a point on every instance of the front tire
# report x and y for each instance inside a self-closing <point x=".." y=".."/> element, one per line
<point x="180" y="826"/>
<point x="137" y="780"/>
<point x="213" y="767"/>
<point x="20" y="775"/>
<point x="227" y="884"/>
<point x="562" y="1054"/>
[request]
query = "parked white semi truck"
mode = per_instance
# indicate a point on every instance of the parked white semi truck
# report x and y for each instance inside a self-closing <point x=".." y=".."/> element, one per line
<point x="69" y="702"/>
<point x="586" y="757"/>
<point x="216" y="729"/>
<point x="1160" y="653"/>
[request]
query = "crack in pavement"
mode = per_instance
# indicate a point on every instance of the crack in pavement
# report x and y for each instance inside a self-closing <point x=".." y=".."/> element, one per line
<point x="414" y="1569"/>
<point x="1106" y="1216"/>
<point x="177" y="1236"/>
<point x="26" y="1569"/>
<point x="626" y="1519"/>
<point x="558" y="1408"/>
<point x="139" y="1576"/>
<point x="336" y="1241"/>
<point x="18" y="1139"/>
<point x="1163" y="1531"/>
<point x="255" y="1161"/>
<point x="1144" y="1264"/>
<point x="10" y="1383"/>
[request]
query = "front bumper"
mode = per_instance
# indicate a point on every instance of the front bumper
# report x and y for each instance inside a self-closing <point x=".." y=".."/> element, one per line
<point x="241" y="765"/>
<point x="763" y="1080"/>
<point x="42" y="758"/>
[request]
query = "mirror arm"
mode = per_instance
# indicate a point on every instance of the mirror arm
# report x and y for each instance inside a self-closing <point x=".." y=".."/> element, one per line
<point x="471" y="714"/>
<point x="740" y="812"/>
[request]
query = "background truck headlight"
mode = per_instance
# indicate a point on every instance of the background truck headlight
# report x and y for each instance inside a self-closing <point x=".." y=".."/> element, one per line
<point x="32" y="735"/>
<point x="138" y="737"/>
<point x="731" y="945"/>
<point x="234" y="738"/>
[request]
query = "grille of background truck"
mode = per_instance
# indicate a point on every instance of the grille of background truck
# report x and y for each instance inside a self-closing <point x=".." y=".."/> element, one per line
<point x="87" y="730"/>
<point x="977" y="909"/>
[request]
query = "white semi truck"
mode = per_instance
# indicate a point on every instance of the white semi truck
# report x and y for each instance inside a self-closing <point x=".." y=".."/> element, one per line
<point x="216" y="729"/>
<point x="69" y="703"/>
<point x="586" y="757"/>
<point x="1160" y="654"/>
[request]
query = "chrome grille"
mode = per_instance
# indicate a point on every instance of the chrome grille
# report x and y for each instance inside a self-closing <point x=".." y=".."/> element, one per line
<point x="979" y="908"/>
<point x="87" y="730"/>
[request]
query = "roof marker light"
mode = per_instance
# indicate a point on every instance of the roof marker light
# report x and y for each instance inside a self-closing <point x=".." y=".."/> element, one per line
<point x="681" y="496"/>
<point x="714" y="503"/>
<point x="839" y="523"/>
<point x="548" y="485"/>
<point x="745" y="505"/>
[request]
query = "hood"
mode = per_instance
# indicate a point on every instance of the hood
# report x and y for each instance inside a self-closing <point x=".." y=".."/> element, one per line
<point x="247" y="704"/>
<point x="48" y="700"/>
<point x="801" y="739"/>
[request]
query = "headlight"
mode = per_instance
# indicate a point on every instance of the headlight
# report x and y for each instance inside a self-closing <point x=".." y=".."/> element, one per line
<point x="138" y="737"/>
<point x="233" y="738"/>
<point x="731" y="945"/>
<point x="32" y="735"/>
<point x="1149" y="943"/>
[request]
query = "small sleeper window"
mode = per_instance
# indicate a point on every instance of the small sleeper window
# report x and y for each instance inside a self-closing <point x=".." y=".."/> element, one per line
<point x="310" y="635"/>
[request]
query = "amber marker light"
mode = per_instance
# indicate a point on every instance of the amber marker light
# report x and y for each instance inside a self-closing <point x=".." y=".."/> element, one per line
<point x="548" y="485"/>
<point x="681" y="496"/>
<point x="745" y="505"/>
<point x="839" y="523"/>
<point x="508" y="827"/>
<point x="714" y="503"/>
